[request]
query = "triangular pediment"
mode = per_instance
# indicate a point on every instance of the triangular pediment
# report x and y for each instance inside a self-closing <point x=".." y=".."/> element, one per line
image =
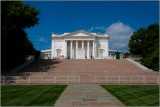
<point x="80" y="33"/>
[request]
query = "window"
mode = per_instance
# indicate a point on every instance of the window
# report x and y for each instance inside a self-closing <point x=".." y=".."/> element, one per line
<point x="101" y="54"/>
<point x="58" y="54"/>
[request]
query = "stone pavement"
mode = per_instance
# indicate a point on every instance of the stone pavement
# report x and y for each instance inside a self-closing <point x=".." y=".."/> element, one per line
<point x="86" y="95"/>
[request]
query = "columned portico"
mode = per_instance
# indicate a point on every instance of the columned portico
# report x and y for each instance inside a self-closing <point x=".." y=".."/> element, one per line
<point x="78" y="49"/>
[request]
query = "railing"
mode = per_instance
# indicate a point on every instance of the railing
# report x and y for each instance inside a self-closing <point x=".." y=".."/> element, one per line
<point x="126" y="79"/>
<point x="72" y="79"/>
<point x="40" y="79"/>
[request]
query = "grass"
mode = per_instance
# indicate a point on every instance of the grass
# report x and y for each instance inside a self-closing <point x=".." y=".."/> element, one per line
<point x="135" y="95"/>
<point x="30" y="95"/>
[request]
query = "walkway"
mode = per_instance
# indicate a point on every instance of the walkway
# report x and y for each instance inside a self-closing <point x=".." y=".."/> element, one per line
<point x="86" y="95"/>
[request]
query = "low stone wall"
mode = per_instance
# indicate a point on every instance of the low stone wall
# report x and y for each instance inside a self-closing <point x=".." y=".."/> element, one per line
<point x="136" y="58"/>
<point x="139" y="65"/>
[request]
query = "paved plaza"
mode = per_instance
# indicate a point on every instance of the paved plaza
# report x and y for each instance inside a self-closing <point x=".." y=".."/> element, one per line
<point x="86" y="95"/>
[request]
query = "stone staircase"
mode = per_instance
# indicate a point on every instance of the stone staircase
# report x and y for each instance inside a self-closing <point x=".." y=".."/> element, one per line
<point x="101" y="71"/>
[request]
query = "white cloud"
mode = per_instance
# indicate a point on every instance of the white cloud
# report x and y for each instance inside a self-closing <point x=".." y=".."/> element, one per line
<point x="42" y="39"/>
<point x="91" y="29"/>
<point x="101" y="28"/>
<point x="119" y="34"/>
<point x="119" y="45"/>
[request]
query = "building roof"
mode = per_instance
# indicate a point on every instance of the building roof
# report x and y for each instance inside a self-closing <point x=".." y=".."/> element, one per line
<point x="116" y="51"/>
<point x="80" y="33"/>
<point x="49" y="50"/>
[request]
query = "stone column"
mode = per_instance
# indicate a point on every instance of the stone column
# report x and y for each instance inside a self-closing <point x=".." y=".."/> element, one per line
<point x="71" y="50"/>
<point x="82" y="44"/>
<point x="95" y="44"/>
<point x="76" y="49"/>
<point x="107" y="48"/>
<point x="87" y="49"/>
<point x="53" y="50"/>
<point x="93" y="50"/>
<point x="65" y="49"/>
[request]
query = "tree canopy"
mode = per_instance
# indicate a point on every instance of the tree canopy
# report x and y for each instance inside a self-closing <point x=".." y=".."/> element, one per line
<point x="145" y="42"/>
<point x="16" y="16"/>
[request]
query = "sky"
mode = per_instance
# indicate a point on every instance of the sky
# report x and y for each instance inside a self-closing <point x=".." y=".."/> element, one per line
<point x="117" y="18"/>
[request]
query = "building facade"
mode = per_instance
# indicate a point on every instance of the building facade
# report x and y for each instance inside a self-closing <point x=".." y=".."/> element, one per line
<point x="79" y="45"/>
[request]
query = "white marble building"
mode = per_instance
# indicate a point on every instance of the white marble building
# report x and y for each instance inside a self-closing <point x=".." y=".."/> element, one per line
<point x="78" y="45"/>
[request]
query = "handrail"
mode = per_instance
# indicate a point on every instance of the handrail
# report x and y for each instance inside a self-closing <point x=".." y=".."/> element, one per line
<point x="77" y="79"/>
<point x="119" y="80"/>
<point x="40" y="79"/>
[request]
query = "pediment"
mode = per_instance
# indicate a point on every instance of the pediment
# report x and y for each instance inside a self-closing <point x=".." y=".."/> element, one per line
<point x="80" y="33"/>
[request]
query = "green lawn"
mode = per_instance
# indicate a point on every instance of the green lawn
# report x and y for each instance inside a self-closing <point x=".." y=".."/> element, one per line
<point x="135" y="95"/>
<point x="30" y="95"/>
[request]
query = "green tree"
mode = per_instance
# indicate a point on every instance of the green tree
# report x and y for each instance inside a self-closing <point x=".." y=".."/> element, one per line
<point x="16" y="16"/>
<point x="145" y="42"/>
<point x="136" y="42"/>
<point x="28" y="47"/>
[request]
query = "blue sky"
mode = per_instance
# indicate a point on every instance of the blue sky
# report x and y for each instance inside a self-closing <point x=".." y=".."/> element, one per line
<point x="119" y="19"/>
